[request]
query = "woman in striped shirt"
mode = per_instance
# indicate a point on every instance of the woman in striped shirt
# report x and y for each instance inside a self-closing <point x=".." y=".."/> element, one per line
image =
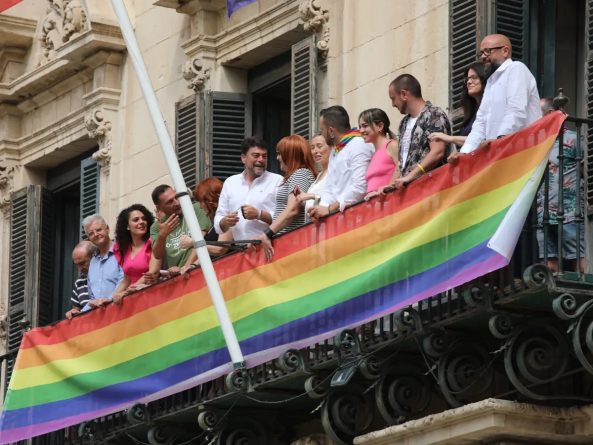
<point x="296" y="161"/>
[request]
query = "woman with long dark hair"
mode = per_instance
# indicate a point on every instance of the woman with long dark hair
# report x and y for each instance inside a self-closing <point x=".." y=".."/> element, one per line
<point x="133" y="247"/>
<point x="474" y="84"/>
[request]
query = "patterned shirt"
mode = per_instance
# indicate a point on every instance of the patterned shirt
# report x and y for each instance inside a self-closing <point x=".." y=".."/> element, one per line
<point x="569" y="180"/>
<point x="301" y="178"/>
<point x="431" y="119"/>
<point x="80" y="292"/>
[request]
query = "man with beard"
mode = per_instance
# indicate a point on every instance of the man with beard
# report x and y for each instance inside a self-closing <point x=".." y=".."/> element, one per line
<point x="417" y="153"/>
<point x="167" y="231"/>
<point x="348" y="162"/>
<point x="511" y="100"/>
<point x="248" y="200"/>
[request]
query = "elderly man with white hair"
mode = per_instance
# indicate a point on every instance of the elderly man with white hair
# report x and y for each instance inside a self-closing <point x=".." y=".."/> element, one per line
<point x="105" y="273"/>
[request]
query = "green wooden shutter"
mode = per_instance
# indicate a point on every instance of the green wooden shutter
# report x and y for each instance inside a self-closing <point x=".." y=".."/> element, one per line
<point x="227" y="123"/>
<point x="512" y="20"/>
<point x="464" y="39"/>
<point x="186" y="139"/>
<point x="30" y="299"/>
<point x="303" y="88"/>
<point x="589" y="80"/>
<point x="89" y="190"/>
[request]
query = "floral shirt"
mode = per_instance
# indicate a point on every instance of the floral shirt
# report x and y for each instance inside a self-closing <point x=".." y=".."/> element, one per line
<point x="431" y="119"/>
<point x="569" y="182"/>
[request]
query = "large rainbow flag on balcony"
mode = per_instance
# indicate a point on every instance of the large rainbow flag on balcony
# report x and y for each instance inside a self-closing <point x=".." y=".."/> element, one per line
<point x="448" y="227"/>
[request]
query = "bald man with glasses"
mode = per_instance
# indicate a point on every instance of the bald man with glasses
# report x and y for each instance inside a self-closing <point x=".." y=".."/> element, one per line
<point x="511" y="100"/>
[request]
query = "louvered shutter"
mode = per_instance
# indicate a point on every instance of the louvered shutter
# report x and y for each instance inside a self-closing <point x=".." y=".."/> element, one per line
<point x="589" y="77"/>
<point x="512" y="20"/>
<point x="303" y="88"/>
<point x="464" y="35"/>
<point x="186" y="139"/>
<point x="30" y="300"/>
<point x="89" y="190"/>
<point x="227" y="123"/>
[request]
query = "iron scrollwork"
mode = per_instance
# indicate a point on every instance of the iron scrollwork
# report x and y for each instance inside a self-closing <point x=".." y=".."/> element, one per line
<point x="536" y="354"/>
<point x="403" y="390"/>
<point x="347" y="414"/>
<point x="465" y="372"/>
<point x="567" y="308"/>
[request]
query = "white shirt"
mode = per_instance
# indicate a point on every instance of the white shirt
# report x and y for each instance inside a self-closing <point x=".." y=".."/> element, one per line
<point x="236" y="192"/>
<point x="406" y="138"/>
<point x="510" y="103"/>
<point x="346" y="182"/>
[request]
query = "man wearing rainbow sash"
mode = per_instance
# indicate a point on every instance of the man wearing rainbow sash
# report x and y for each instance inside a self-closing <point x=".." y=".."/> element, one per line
<point x="346" y="183"/>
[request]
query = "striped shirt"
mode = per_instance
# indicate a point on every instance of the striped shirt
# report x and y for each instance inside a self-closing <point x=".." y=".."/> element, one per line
<point x="301" y="178"/>
<point x="80" y="292"/>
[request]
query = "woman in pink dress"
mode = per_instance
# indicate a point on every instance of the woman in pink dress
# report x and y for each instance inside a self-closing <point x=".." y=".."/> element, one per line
<point x="383" y="168"/>
<point x="133" y="247"/>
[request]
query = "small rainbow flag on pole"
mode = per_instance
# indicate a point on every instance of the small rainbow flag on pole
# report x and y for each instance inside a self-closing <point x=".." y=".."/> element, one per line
<point x="448" y="227"/>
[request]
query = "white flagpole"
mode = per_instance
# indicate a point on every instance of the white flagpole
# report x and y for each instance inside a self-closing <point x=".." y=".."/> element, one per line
<point x="185" y="201"/>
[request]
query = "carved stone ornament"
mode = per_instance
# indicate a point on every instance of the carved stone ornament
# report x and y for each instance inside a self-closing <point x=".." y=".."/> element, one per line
<point x="5" y="207"/>
<point x="6" y="176"/>
<point x="315" y="19"/>
<point x="195" y="74"/>
<point x="100" y="130"/>
<point x="64" y="19"/>
<point x="3" y="327"/>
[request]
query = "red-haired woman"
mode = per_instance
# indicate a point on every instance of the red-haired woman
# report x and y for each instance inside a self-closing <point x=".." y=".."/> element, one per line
<point x="207" y="193"/>
<point x="296" y="161"/>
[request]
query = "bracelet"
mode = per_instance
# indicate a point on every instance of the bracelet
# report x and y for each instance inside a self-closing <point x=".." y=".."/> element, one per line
<point x="269" y="233"/>
<point x="421" y="168"/>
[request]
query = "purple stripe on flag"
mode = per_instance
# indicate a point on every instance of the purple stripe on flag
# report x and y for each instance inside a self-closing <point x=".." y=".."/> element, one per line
<point x="233" y="5"/>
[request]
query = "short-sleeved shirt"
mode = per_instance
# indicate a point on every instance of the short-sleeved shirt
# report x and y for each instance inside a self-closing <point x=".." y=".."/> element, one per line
<point x="176" y="255"/>
<point x="80" y="292"/>
<point x="301" y="178"/>
<point x="430" y="120"/>
<point x="569" y="180"/>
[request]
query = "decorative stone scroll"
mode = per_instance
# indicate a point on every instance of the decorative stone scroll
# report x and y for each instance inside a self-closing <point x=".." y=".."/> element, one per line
<point x="315" y="20"/>
<point x="6" y="175"/>
<point x="100" y="129"/>
<point x="194" y="72"/>
<point x="64" y="19"/>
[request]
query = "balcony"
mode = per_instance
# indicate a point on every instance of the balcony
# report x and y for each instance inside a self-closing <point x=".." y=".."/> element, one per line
<point x="521" y="333"/>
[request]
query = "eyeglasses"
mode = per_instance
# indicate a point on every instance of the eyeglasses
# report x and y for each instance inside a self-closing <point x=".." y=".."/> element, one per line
<point x="472" y="79"/>
<point x="488" y="51"/>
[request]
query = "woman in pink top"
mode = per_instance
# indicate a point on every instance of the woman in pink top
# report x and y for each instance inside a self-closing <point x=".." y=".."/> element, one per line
<point x="382" y="170"/>
<point x="133" y="247"/>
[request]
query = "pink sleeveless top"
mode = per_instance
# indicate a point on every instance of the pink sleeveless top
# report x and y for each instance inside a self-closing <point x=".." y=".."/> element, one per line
<point x="380" y="169"/>
<point x="135" y="267"/>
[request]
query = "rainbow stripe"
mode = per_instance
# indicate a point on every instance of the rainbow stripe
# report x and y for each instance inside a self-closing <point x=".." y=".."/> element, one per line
<point x="374" y="258"/>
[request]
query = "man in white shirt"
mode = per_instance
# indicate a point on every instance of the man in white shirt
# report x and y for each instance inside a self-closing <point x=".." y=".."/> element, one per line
<point x="511" y="100"/>
<point x="348" y="162"/>
<point x="248" y="200"/>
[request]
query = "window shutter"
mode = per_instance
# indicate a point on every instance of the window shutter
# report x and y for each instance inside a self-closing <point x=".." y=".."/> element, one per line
<point x="303" y="88"/>
<point x="186" y="139"/>
<point x="89" y="190"/>
<point x="589" y="80"/>
<point x="512" y="20"/>
<point x="30" y="265"/>
<point x="227" y="123"/>
<point x="463" y="25"/>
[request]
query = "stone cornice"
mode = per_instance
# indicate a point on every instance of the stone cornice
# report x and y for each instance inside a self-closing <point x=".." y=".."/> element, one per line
<point x="70" y="59"/>
<point x="16" y="31"/>
<point x="232" y="43"/>
<point x="481" y="421"/>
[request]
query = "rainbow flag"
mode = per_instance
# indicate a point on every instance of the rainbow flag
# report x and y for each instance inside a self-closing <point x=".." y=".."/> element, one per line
<point x="448" y="227"/>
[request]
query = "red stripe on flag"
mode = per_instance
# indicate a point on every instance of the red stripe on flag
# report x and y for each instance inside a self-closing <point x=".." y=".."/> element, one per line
<point x="5" y="4"/>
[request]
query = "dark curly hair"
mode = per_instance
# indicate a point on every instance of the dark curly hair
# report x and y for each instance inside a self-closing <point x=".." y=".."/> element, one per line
<point x="122" y="234"/>
<point x="469" y="104"/>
